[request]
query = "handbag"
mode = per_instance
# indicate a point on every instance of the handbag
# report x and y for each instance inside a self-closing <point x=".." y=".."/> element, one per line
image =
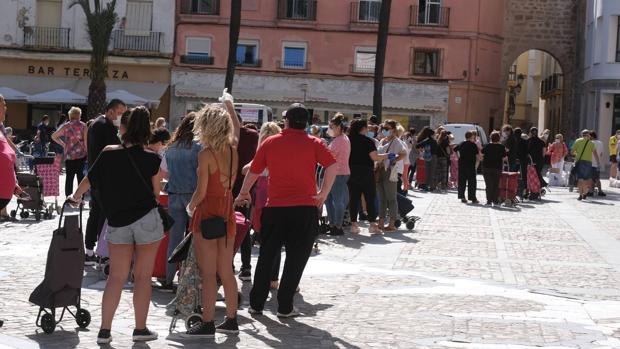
<point x="166" y="219"/>
<point x="182" y="250"/>
<point x="573" y="171"/>
<point x="215" y="227"/>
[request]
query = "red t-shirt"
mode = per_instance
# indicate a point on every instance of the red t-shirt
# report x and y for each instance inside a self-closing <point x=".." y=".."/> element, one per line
<point x="291" y="158"/>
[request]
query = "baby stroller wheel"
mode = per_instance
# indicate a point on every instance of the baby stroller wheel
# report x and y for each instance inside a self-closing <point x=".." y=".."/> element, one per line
<point x="82" y="318"/>
<point x="405" y="219"/>
<point x="24" y="214"/>
<point x="13" y="214"/>
<point x="410" y="225"/>
<point x="48" y="324"/>
<point x="397" y="223"/>
<point x="106" y="269"/>
<point x="543" y="192"/>
<point x="192" y="320"/>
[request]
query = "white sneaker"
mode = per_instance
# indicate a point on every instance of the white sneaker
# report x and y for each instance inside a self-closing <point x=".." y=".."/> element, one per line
<point x="295" y="312"/>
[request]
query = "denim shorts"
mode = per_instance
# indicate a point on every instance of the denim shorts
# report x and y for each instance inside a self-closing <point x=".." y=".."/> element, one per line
<point x="145" y="230"/>
<point x="584" y="169"/>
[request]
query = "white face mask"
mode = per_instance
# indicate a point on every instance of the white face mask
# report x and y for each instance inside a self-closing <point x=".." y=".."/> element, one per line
<point x="117" y="122"/>
<point x="331" y="133"/>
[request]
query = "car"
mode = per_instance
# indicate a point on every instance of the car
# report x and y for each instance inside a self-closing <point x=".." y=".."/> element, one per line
<point x="458" y="131"/>
<point x="254" y="113"/>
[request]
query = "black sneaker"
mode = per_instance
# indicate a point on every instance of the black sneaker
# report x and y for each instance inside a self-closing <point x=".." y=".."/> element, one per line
<point x="104" y="337"/>
<point x="580" y="197"/>
<point x="475" y="201"/>
<point x="201" y="330"/>
<point x="90" y="260"/>
<point x="144" y="335"/>
<point x="245" y="275"/>
<point x="335" y="231"/>
<point x="600" y="193"/>
<point x="591" y="194"/>
<point x="229" y="326"/>
<point x="463" y="200"/>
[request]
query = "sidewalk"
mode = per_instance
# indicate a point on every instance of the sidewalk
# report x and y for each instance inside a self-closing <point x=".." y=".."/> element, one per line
<point x="542" y="275"/>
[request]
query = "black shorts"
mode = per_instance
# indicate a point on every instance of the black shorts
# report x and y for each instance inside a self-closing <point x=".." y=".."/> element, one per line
<point x="612" y="159"/>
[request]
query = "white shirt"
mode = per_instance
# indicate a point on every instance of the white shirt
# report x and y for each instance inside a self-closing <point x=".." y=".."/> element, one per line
<point x="599" y="150"/>
<point x="396" y="146"/>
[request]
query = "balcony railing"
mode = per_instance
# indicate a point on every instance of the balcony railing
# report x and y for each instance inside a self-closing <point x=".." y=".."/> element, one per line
<point x="197" y="59"/>
<point x="551" y="84"/>
<point x="365" y="12"/>
<point x="362" y="69"/>
<point x="200" y="7"/>
<point x="133" y="40"/>
<point x="293" y="65"/>
<point x="430" y="16"/>
<point x="299" y="10"/>
<point x="256" y="64"/>
<point x="46" y="37"/>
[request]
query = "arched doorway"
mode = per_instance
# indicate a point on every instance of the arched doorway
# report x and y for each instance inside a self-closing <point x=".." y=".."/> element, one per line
<point x="535" y="92"/>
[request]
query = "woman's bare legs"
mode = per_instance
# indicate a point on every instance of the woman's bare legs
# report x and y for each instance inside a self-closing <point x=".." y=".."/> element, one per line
<point x="120" y="264"/>
<point x="224" y="270"/>
<point x="207" y="256"/>
<point x="142" y="273"/>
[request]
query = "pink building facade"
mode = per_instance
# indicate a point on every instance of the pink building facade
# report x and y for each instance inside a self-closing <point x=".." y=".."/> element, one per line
<point x="443" y="59"/>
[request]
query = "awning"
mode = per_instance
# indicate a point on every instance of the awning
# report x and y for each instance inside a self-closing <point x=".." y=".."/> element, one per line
<point x="58" y="96"/>
<point x="240" y="94"/>
<point x="33" y="85"/>
<point x="127" y="97"/>
<point x="10" y="94"/>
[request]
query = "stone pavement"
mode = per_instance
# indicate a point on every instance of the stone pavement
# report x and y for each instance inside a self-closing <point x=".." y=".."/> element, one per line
<point x="541" y="275"/>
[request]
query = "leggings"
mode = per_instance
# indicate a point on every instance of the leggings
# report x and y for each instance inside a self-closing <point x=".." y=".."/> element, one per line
<point x="362" y="182"/>
<point x="4" y="203"/>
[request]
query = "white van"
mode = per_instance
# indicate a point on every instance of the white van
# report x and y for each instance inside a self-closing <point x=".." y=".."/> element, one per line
<point x="458" y="131"/>
<point x="254" y="113"/>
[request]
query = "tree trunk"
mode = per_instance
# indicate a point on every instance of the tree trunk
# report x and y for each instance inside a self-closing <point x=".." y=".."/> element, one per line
<point x="382" y="38"/>
<point x="96" y="98"/>
<point x="233" y="37"/>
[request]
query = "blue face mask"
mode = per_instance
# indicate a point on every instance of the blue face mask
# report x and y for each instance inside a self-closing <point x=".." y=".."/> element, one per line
<point x="370" y="134"/>
<point x="386" y="133"/>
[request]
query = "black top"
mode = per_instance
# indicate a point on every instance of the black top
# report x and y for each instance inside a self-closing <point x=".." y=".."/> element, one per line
<point x="101" y="133"/>
<point x="494" y="154"/>
<point x="430" y="143"/>
<point x="361" y="147"/>
<point x="535" y="148"/>
<point x="45" y="133"/>
<point x="511" y="146"/>
<point x="468" y="152"/>
<point x="443" y="149"/>
<point x="521" y="149"/>
<point x="120" y="192"/>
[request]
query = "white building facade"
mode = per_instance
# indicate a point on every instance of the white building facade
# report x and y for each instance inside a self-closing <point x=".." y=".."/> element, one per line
<point x="44" y="47"/>
<point x="601" y="89"/>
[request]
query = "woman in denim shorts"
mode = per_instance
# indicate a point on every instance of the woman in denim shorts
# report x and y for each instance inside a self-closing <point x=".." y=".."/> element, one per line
<point x="126" y="180"/>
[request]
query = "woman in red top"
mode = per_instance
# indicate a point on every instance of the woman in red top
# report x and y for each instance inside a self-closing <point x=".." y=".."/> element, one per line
<point x="8" y="181"/>
<point x="218" y="130"/>
<point x="557" y="152"/>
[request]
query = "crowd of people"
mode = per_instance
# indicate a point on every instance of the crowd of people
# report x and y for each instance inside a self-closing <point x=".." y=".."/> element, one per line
<point x="280" y="176"/>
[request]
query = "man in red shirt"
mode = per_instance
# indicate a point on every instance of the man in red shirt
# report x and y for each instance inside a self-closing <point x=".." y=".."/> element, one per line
<point x="291" y="216"/>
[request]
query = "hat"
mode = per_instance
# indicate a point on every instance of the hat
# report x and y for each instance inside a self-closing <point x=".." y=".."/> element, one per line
<point x="297" y="113"/>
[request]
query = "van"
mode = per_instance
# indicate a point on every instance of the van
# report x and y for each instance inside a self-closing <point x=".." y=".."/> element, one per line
<point x="254" y="113"/>
<point x="458" y="131"/>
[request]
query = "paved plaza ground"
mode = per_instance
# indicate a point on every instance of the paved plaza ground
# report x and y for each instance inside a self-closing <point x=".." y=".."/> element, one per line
<point x="541" y="275"/>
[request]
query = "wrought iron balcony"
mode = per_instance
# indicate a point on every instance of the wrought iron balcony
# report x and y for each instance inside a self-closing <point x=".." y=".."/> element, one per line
<point x="299" y="10"/>
<point x="197" y="59"/>
<point x="362" y="69"/>
<point x="46" y="37"/>
<point x="365" y="12"/>
<point x="200" y="7"/>
<point x="293" y="65"/>
<point x="551" y="85"/>
<point x="134" y="40"/>
<point x="256" y="64"/>
<point x="430" y="16"/>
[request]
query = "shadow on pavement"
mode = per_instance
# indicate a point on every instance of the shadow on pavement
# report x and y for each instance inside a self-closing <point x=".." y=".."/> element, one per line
<point x="61" y="338"/>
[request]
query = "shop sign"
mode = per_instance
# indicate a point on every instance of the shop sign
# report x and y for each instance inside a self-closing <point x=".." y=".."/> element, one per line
<point x="74" y="72"/>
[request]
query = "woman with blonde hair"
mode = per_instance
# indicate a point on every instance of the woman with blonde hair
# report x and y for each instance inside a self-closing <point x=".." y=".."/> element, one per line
<point x="213" y="216"/>
<point x="73" y="142"/>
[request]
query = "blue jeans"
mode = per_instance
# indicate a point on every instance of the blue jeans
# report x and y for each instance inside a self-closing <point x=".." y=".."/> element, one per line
<point x="337" y="201"/>
<point x="176" y="208"/>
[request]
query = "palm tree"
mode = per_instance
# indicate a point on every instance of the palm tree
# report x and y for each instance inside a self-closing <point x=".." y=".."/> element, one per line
<point x="233" y="39"/>
<point x="382" y="38"/>
<point x="99" y="23"/>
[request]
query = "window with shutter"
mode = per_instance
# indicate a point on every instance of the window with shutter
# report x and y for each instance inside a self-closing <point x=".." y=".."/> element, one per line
<point x="139" y="17"/>
<point x="365" y="60"/>
<point x="199" y="47"/>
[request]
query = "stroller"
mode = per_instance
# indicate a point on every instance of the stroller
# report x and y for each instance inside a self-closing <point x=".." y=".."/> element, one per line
<point x="404" y="207"/>
<point x="31" y="184"/>
<point x="188" y="299"/>
<point x="64" y="270"/>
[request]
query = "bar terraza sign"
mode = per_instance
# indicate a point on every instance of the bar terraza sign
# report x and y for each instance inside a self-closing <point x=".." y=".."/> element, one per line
<point x="74" y="72"/>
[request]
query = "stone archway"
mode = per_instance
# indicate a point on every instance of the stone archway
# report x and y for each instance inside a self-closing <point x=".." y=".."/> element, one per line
<point x="551" y="26"/>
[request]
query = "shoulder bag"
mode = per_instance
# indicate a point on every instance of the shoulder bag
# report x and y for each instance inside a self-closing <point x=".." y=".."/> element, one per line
<point x="573" y="171"/>
<point x="215" y="227"/>
<point x="166" y="218"/>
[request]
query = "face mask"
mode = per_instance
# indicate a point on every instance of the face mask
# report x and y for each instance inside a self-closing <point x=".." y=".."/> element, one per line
<point x="331" y="133"/>
<point x="385" y="133"/>
<point x="557" y="140"/>
<point x="117" y="122"/>
<point x="46" y="123"/>
<point x="545" y="136"/>
<point x="370" y="134"/>
<point x="505" y="134"/>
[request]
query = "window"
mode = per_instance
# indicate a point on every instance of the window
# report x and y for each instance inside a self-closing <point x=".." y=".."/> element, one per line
<point x="207" y="7"/>
<point x="426" y="62"/>
<point x="369" y="10"/>
<point x="138" y="18"/>
<point x="429" y="11"/>
<point x="294" y="56"/>
<point x="365" y="60"/>
<point x="247" y="53"/>
<point x="618" y="41"/>
<point x="197" y="51"/>
<point x="297" y="8"/>
<point x="512" y="73"/>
